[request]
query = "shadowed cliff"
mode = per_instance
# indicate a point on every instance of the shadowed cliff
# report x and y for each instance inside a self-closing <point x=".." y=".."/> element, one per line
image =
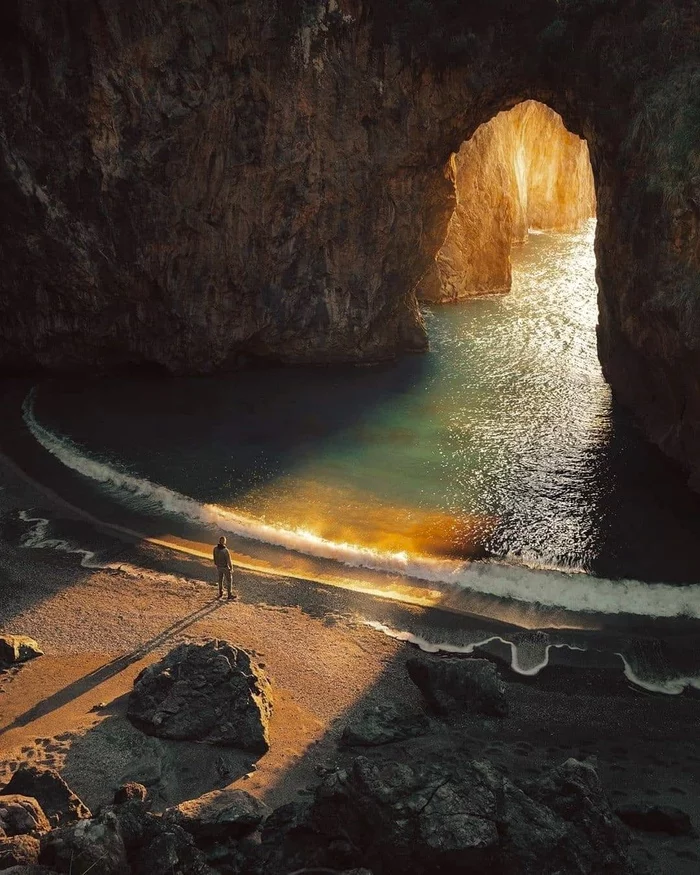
<point x="194" y="186"/>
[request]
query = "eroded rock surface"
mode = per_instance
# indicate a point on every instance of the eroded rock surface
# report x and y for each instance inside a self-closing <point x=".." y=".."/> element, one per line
<point x="422" y="818"/>
<point x="520" y="170"/>
<point x="86" y="846"/>
<point x="209" y="692"/>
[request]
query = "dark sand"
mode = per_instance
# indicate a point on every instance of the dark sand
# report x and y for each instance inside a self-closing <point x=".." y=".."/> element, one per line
<point x="100" y="626"/>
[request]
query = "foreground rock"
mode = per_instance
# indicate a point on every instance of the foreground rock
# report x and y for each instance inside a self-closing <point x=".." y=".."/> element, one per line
<point x="402" y="819"/>
<point x="22" y="850"/>
<point x="87" y="846"/>
<point x="58" y="801"/>
<point x="18" y="648"/>
<point x="219" y="815"/>
<point x="22" y="815"/>
<point x="472" y="685"/>
<point x="657" y="818"/>
<point x="210" y="692"/>
<point x="156" y="846"/>
<point x="383" y="724"/>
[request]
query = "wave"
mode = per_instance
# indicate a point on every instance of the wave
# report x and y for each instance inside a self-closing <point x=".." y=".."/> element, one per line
<point x="532" y="663"/>
<point x="569" y="591"/>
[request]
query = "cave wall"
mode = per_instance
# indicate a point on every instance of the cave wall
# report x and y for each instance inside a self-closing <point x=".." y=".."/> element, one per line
<point x="193" y="185"/>
<point x="520" y="170"/>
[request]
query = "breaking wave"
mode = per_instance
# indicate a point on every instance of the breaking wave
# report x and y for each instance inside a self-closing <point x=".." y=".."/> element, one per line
<point x="573" y="592"/>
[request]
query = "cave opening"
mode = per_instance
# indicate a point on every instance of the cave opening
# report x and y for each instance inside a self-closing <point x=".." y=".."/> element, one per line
<point x="521" y="171"/>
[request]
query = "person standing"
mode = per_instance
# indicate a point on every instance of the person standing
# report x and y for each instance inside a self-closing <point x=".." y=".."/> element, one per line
<point x="222" y="560"/>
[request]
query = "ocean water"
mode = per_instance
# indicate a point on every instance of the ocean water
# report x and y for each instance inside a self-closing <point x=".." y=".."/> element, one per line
<point x="497" y="463"/>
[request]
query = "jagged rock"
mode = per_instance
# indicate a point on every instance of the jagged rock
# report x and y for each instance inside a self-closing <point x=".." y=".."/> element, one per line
<point x="382" y="724"/>
<point x="211" y="692"/>
<point x="58" y="801"/>
<point x="415" y="819"/>
<point x="22" y="815"/>
<point x="18" y="648"/>
<point x="219" y="815"/>
<point x="472" y="685"/>
<point x="86" y="846"/>
<point x="19" y="850"/>
<point x="129" y="792"/>
<point x="155" y="846"/>
<point x="657" y="818"/>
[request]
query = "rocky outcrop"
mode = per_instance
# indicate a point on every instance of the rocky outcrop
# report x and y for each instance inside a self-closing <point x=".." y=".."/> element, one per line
<point x="18" y="648"/>
<point x="22" y="815"/>
<point x="383" y="724"/>
<point x="219" y="815"/>
<point x="57" y="800"/>
<point x="209" y="692"/>
<point x="470" y="685"/>
<point x="86" y="846"/>
<point x="192" y="185"/>
<point x="521" y="170"/>
<point x="21" y="850"/>
<point x="419" y="818"/>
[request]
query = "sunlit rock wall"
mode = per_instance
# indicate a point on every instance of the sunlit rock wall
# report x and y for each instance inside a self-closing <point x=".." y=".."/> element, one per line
<point x="520" y="170"/>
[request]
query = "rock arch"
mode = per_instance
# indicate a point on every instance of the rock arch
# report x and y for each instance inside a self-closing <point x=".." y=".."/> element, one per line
<point x="196" y="184"/>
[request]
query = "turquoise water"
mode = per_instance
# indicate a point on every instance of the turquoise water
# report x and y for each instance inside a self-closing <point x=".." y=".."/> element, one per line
<point x="502" y="441"/>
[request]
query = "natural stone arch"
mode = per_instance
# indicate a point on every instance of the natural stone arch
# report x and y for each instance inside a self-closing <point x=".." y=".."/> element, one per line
<point x="194" y="184"/>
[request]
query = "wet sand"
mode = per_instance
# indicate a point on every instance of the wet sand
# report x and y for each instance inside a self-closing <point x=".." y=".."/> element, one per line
<point x="100" y="626"/>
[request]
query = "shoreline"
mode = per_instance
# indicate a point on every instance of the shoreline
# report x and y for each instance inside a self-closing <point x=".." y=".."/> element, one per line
<point x="100" y="626"/>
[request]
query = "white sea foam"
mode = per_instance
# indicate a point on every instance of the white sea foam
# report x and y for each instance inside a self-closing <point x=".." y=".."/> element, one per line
<point x="516" y="661"/>
<point x="38" y="538"/>
<point x="538" y="658"/>
<point x="573" y="592"/>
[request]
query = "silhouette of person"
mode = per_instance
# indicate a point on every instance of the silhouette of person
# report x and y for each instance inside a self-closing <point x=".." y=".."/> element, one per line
<point x="222" y="560"/>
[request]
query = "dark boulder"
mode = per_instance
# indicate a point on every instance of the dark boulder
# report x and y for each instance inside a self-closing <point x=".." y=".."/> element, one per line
<point x="21" y="850"/>
<point x="129" y="792"/>
<point x="383" y="724"/>
<point x="58" y="801"/>
<point x="442" y="817"/>
<point x="94" y="845"/>
<point x="657" y="818"/>
<point x="18" y="648"/>
<point x="210" y="692"/>
<point x="22" y="815"/>
<point x="155" y="846"/>
<point x="219" y="816"/>
<point x="472" y="685"/>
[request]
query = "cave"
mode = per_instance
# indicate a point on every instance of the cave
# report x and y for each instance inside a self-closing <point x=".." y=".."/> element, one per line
<point x="192" y="186"/>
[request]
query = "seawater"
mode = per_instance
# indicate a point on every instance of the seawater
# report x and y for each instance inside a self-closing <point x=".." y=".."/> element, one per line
<point x="503" y="442"/>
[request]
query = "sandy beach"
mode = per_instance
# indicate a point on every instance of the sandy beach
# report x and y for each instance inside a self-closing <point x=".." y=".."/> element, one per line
<point x="99" y="626"/>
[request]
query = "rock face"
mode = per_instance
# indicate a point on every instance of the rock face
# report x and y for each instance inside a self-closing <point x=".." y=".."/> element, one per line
<point x="521" y="170"/>
<point x="18" y="648"/>
<point x="58" y="801"/>
<point x="472" y="685"/>
<point x="191" y="185"/>
<point x="425" y="818"/>
<point x="209" y="692"/>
